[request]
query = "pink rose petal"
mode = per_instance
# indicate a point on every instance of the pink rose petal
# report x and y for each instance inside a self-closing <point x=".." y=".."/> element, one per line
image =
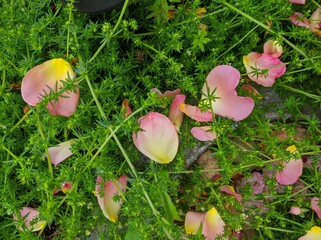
<point x="222" y="80"/>
<point x="299" y="20"/>
<point x="196" y="114"/>
<point x="273" y="48"/>
<point x="295" y="210"/>
<point x="231" y="191"/>
<point x="158" y="138"/>
<point x="315" y="206"/>
<point x="297" y="1"/>
<point x="193" y="221"/>
<point x="108" y="205"/>
<point x="30" y="215"/>
<point x="203" y="133"/>
<point x="168" y="94"/>
<point x="61" y="152"/>
<point x="175" y="113"/>
<point x="256" y="64"/>
<point x="313" y="234"/>
<point x="49" y="75"/>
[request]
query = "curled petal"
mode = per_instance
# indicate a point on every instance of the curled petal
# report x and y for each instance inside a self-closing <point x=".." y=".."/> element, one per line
<point x="106" y="192"/>
<point x="231" y="191"/>
<point x="30" y="215"/>
<point x="125" y="108"/>
<point x="157" y="139"/>
<point x="222" y="81"/>
<point x="175" y="113"/>
<point x="46" y="77"/>
<point x="299" y="20"/>
<point x="295" y="210"/>
<point x="203" y="133"/>
<point x="302" y="2"/>
<point x="196" y="114"/>
<point x="213" y="225"/>
<point x="168" y="94"/>
<point x="315" y="206"/>
<point x="61" y="152"/>
<point x="313" y="234"/>
<point x="263" y="68"/>
<point x="273" y="48"/>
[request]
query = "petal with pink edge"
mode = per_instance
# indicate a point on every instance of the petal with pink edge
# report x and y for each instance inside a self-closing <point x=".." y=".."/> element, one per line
<point x="292" y="170"/>
<point x="231" y="191"/>
<point x="315" y="206"/>
<point x="61" y="152"/>
<point x="300" y="20"/>
<point x="196" y="114"/>
<point x="29" y="215"/>
<point x="315" y="19"/>
<point x="295" y="210"/>
<point x="213" y="225"/>
<point x="302" y="2"/>
<point x="175" y="113"/>
<point x="203" y="133"/>
<point x="313" y="234"/>
<point x="222" y="81"/>
<point x="263" y="68"/>
<point x="158" y="138"/>
<point x="273" y="48"/>
<point x="193" y="221"/>
<point x="49" y="75"/>
<point x="105" y="193"/>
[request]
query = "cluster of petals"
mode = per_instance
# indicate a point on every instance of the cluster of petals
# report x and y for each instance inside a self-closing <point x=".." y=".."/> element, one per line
<point x="211" y="221"/>
<point x="264" y="68"/>
<point x="106" y="191"/>
<point x="31" y="220"/>
<point x="292" y="169"/>
<point x="47" y="77"/>
<point x="157" y="138"/>
<point x="313" y="23"/>
<point x="60" y="152"/>
<point x="313" y="234"/>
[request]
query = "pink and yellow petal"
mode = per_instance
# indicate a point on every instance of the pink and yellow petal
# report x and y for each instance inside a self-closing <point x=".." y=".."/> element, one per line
<point x="61" y="152"/>
<point x="313" y="234"/>
<point x="273" y="48"/>
<point x="213" y="225"/>
<point x="175" y="113"/>
<point x="203" y="133"/>
<point x="231" y="191"/>
<point x="193" y="221"/>
<point x="30" y="215"/>
<point x="315" y="19"/>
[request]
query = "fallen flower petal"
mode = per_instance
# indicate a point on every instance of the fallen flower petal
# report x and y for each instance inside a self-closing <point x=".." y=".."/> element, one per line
<point x="61" y="152"/>
<point x="196" y="114"/>
<point x="315" y="206"/>
<point x="193" y="221"/>
<point x="168" y="94"/>
<point x="46" y="77"/>
<point x="29" y="215"/>
<point x="302" y="2"/>
<point x="158" y="138"/>
<point x="315" y="19"/>
<point x="203" y="133"/>
<point x="295" y="210"/>
<point x="313" y="234"/>
<point x="299" y="20"/>
<point x="263" y="68"/>
<point x="125" y="108"/>
<point x="109" y="189"/>
<point x="221" y="82"/>
<point x="273" y="48"/>
<point x="175" y="113"/>
<point x="231" y="191"/>
<point x="292" y="170"/>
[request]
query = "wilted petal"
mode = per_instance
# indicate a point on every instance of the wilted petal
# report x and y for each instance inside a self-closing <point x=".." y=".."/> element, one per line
<point x="263" y="68"/>
<point x="273" y="48"/>
<point x="30" y="215"/>
<point x="231" y="191"/>
<point x="203" y="133"/>
<point x="313" y="234"/>
<point x="175" y="113"/>
<point x="48" y="75"/>
<point x="193" y="221"/>
<point x="222" y="80"/>
<point x="213" y="225"/>
<point x="158" y="138"/>
<point x="196" y="114"/>
<point x="109" y="189"/>
<point x="125" y="108"/>
<point x="168" y="94"/>
<point x="300" y="20"/>
<point x="61" y="152"/>
<point x="297" y="1"/>
<point x="295" y="210"/>
<point x="65" y="187"/>
<point x="315" y="206"/>
<point x="315" y="19"/>
<point x="292" y="170"/>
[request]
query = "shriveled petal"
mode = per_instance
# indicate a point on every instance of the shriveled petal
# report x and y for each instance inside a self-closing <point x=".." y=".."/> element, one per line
<point x="158" y="138"/>
<point x="231" y="191"/>
<point x="295" y="210"/>
<point x="29" y="215"/>
<point x="313" y="234"/>
<point x="213" y="225"/>
<point x="175" y="113"/>
<point x="61" y="152"/>
<point x="222" y="80"/>
<point x="106" y="202"/>
<point x="273" y="48"/>
<point x="196" y="114"/>
<point x="291" y="172"/>
<point x="203" y="133"/>
<point x="193" y="221"/>
<point x="297" y="1"/>
<point x="300" y="20"/>
<point x="168" y="94"/>
<point x="263" y="68"/>
<point x="315" y="206"/>
<point x="125" y="108"/>
<point x="315" y="19"/>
